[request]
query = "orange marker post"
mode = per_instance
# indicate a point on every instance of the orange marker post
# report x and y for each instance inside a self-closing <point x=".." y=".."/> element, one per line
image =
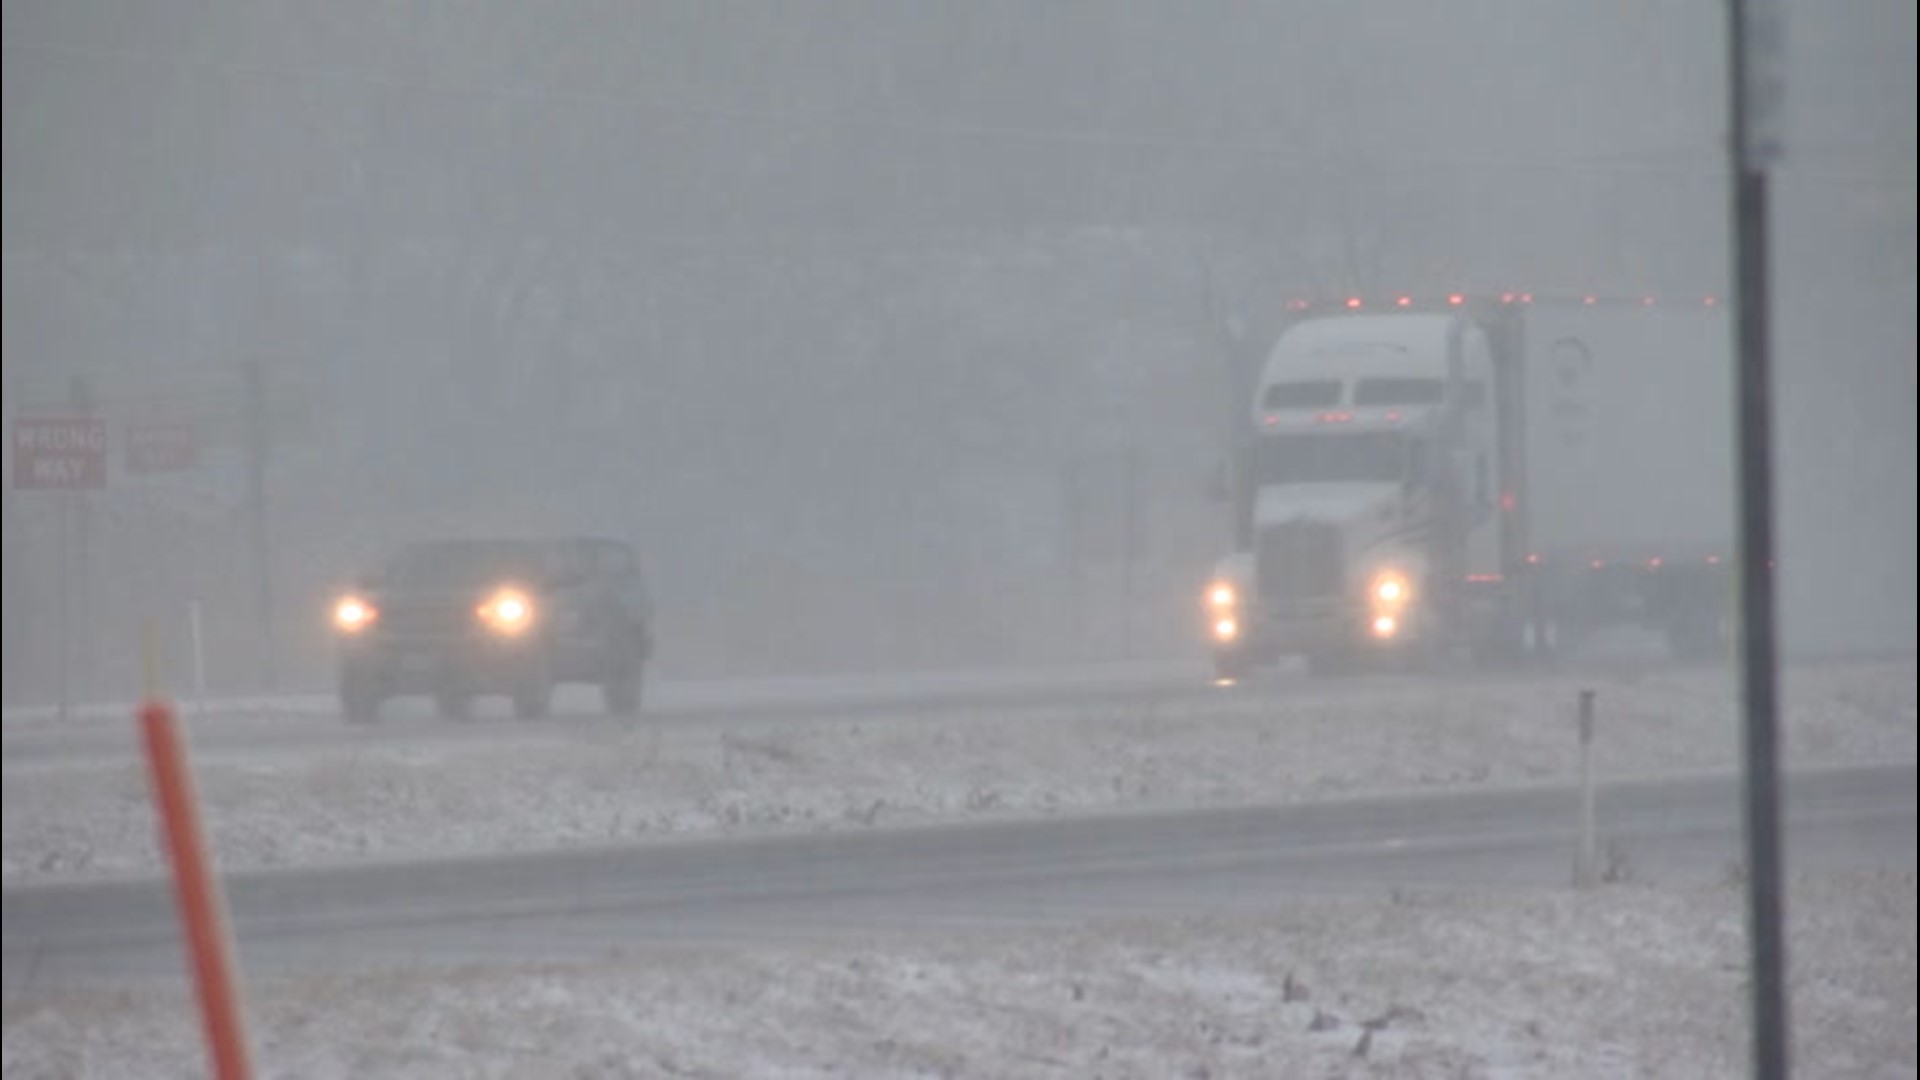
<point x="202" y="908"/>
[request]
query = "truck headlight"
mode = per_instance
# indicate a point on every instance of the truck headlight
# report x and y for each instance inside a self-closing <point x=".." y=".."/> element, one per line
<point x="351" y="614"/>
<point x="1223" y="615"/>
<point x="1221" y="597"/>
<point x="1389" y="589"/>
<point x="509" y="612"/>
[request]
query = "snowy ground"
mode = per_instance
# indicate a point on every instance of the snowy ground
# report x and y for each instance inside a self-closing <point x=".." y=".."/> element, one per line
<point x="1637" y="978"/>
<point x="1624" y="981"/>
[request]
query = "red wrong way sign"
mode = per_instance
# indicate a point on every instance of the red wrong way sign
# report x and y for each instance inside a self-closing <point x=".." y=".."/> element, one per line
<point x="161" y="446"/>
<point x="59" y="453"/>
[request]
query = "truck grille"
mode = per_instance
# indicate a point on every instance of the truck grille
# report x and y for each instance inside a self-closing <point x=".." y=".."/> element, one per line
<point x="1299" y="561"/>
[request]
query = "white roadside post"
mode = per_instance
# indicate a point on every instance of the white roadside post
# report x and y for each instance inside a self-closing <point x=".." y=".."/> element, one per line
<point x="198" y="645"/>
<point x="1585" y="857"/>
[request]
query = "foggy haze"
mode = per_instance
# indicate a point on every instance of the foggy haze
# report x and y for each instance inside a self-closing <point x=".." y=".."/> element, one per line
<point x="892" y="334"/>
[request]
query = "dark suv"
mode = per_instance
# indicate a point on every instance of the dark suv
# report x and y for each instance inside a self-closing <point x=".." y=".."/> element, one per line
<point x="456" y="619"/>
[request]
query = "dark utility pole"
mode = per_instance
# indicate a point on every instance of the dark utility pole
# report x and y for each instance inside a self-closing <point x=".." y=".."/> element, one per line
<point x="1756" y="57"/>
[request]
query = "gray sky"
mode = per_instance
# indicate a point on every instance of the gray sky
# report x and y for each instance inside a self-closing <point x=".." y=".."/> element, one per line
<point x="868" y="288"/>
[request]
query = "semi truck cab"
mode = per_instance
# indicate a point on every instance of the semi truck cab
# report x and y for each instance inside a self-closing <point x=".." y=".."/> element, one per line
<point x="1368" y="483"/>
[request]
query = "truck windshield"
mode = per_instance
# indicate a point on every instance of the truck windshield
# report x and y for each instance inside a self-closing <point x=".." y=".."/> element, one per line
<point x="1399" y="392"/>
<point x="1317" y="394"/>
<point x="1326" y="458"/>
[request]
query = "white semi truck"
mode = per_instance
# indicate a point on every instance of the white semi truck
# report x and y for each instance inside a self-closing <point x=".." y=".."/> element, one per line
<point x="1479" y="478"/>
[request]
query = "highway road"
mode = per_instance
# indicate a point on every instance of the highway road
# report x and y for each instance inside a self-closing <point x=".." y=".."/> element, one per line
<point x="582" y="903"/>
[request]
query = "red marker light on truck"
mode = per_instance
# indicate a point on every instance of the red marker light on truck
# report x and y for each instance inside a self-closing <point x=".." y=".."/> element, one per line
<point x="1353" y="302"/>
<point x="1456" y="299"/>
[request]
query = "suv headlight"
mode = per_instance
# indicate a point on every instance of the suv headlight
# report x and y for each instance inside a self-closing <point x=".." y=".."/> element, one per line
<point x="352" y="614"/>
<point x="509" y="612"/>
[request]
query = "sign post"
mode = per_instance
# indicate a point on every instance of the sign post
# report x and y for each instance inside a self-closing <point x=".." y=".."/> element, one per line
<point x="1756" y="68"/>
<point x="65" y="454"/>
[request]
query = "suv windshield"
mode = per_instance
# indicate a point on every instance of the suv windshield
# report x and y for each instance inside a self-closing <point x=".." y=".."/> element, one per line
<point x="457" y="564"/>
<point x="1383" y="456"/>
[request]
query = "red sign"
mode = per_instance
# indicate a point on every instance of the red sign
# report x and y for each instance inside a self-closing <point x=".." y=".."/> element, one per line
<point x="161" y="446"/>
<point x="59" y="453"/>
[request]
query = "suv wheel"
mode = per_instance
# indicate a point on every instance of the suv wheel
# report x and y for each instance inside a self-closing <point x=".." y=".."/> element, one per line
<point x="453" y="705"/>
<point x="359" y="698"/>
<point x="533" y="699"/>
<point x="621" y="694"/>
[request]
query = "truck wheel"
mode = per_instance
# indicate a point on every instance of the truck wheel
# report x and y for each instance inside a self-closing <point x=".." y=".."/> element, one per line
<point x="1326" y="663"/>
<point x="533" y="699"/>
<point x="1502" y="647"/>
<point x="1697" y="640"/>
<point x="1230" y="665"/>
<point x="1421" y="657"/>
<point x="1543" y="642"/>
